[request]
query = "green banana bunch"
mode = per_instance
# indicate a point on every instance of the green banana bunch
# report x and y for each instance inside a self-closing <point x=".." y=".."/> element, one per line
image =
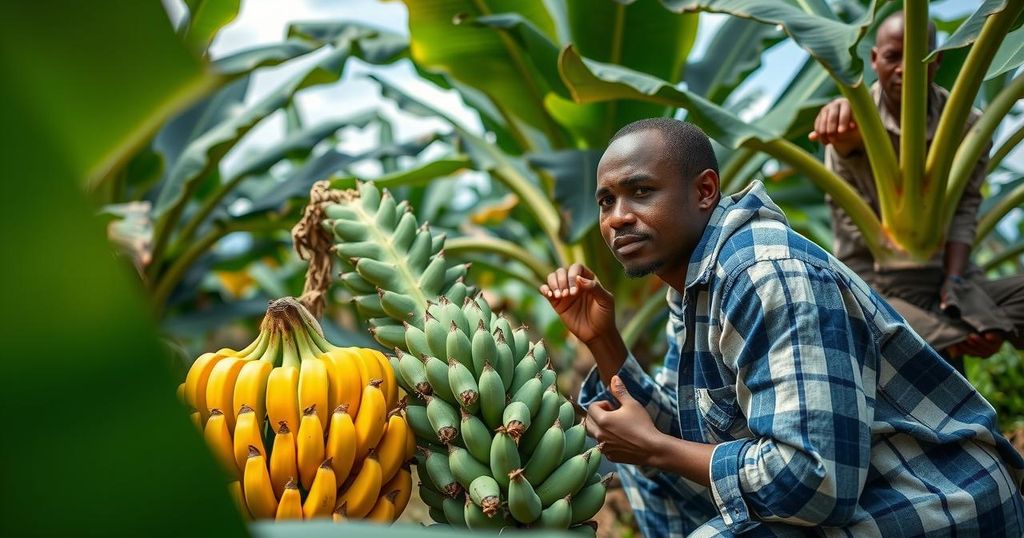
<point x="499" y="446"/>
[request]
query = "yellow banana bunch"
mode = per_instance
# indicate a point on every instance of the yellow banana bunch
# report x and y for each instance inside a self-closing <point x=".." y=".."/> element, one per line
<point x="330" y="417"/>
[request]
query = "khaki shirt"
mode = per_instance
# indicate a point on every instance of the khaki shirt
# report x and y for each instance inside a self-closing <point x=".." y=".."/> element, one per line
<point x="855" y="168"/>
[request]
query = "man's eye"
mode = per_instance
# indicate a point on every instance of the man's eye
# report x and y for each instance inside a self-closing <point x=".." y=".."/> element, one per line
<point x="604" y="201"/>
<point x="641" y="191"/>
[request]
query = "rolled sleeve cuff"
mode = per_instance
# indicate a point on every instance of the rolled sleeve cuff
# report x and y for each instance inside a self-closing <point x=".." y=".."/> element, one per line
<point x="962" y="232"/>
<point x="726" y="461"/>
<point x="631" y="374"/>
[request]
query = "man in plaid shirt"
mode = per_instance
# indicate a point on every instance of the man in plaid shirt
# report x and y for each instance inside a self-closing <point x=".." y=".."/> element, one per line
<point x="793" y="399"/>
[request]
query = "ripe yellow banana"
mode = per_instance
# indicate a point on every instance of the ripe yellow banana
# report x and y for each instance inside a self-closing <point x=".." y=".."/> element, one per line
<point x="369" y="368"/>
<point x="393" y="445"/>
<point x="401" y="483"/>
<point x="235" y="488"/>
<point x="259" y="493"/>
<point x="310" y="445"/>
<point x="247" y="433"/>
<point x="313" y="387"/>
<point x="410" y="441"/>
<point x="290" y="506"/>
<point x="362" y="493"/>
<point x="283" y="461"/>
<point x="323" y="493"/>
<point x="220" y="388"/>
<point x="390" y="386"/>
<point x="283" y="396"/>
<point x="196" y="380"/>
<point x="251" y="389"/>
<point x="384" y="510"/>
<point x="218" y="438"/>
<point x="340" y="513"/>
<point x="345" y="383"/>
<point x="341" y="443"/>
<point x="369" y="422"/>
<point x="197" y="420"/>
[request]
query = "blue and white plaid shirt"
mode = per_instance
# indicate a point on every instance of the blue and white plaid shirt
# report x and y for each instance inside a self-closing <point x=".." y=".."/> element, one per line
<point x="830" y="415"/>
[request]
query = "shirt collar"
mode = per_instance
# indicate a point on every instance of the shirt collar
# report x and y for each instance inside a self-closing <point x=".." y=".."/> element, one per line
<point x="936" y="100"/>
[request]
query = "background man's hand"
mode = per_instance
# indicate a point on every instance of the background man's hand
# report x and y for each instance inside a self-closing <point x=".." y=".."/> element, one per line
<point x="834" y="125"/>
<point x="981" y="345"/>
<point x="586" y="308"/>
<point x="628" y="433"/>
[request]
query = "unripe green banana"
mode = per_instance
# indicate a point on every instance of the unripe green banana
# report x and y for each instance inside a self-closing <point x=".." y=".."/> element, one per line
<point x="396" y="367"/>
<point x="546" y="415"/>
<point x="527" y="369"/>
<point x="463" y="385"/>
<point x="380" y="274"/>
<point x="437" y="243"/>
<point x="369" y="196"/>
<point x="388" y="334"/>
<point x="419" y="252"/>
<point x="431" y="498"/>
<point x="357" y="284"/>
<point x="437" y="376"/>
<point x="432" y="278"/>
<point x="473" y="314"/>
<point x="350" y="230"/>
<point x="540" y="352"/>
<point x="557" y="516"/>
<point x="485" y="310"/>
<point x="575" y="441"/>
<point x="501" y="322"/>
<point x="454" y="273"/>
<point x="588" y="502"/>
<point x="486" y="494"/>
<point x="464" y="466"/>
<point x="567" y="414"/>
<point x="483" y="348"/>
<point x="523" y="502"/>
<point x="369" y="306"/>
<point x="405" y="231"/>
<point x="400" y="306"/>
<point x="458" y="347"/>
<point x="521" y="338"/>
<point x="594" y="463"/>
<point x="476" y="436"/>
<point x="503" y="361"/>
<point x="385" y="217"/>
<point x="440" y="472"/>
<point x="585" y="530"/>
<point x="567" y="479"/>
<point x="548" y="374"/>
<point x="516" y="419"/>
<point x="444" y="420"/>
<point x="437" y="335"/>
<point x="415" y="340"/>
<point x="340" y="211"/>
<point x="455" y="511"/>
<point x="476" y="520"/>
<point x="492" y="396"/>
<point x="547" y="456"/>
<point x="438" y="515"/>
<point x="593" y="479"/>
<point x="530" y="394"/>
<point x="413" y="373"/>
<point x="420" y="423"/>
<point x="359" y="249"/>
<point x="504" y="457"/>
<point x="452" y="313"/>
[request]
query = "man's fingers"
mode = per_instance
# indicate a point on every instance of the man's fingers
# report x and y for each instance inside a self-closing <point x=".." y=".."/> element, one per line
<point x="833" y="120"/>
<point x="574" y="273"/>
<point x="620" y="391"/>
<point x="844" y="117"/>
<point x="563" y="282"/>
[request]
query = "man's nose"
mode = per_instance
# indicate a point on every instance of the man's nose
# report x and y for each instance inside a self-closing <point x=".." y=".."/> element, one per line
<point x="621" y="215"/>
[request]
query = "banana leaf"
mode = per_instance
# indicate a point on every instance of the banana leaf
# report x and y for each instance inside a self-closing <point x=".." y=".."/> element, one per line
<point x="732" y="55"/>
<point x="205" y="19"/>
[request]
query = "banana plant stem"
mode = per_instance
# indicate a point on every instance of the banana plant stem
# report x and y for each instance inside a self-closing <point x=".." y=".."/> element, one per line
<point x="954" y="116"/>
<point x="877" y="144"/>
<point x="538" y="204"/>
<point x="642" y="318"/>
<point x="987" y="223"/>
<point x="733" y="167"/>
<point x="464" y="245"/>
<point x="842" y="193"/>
<point x="913" y="114"/>
<point x="1011" y="142"/>
<point x="975" y="142"/>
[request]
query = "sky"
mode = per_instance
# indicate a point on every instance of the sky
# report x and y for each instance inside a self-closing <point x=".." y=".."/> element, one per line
<point x="265" y="21"/>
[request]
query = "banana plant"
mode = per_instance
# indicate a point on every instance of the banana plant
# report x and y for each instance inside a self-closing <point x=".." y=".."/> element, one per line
<point x="914" y="186"/>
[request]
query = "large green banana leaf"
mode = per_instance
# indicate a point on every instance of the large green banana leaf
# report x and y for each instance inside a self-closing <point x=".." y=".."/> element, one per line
<point x="97" y="442"/>
<point x="1010" y="55"/>
<point x="815" y="29"/>
<point x="968" y="32"/>
<point x="205" y="19"/>
<point x="732" y="54"/>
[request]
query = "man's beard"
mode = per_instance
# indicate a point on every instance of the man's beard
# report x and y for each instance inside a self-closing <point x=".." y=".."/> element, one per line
<point x="643" y="270"/>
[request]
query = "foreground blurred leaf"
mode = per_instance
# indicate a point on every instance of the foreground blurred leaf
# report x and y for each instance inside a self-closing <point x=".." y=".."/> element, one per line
<point x="205" y="18"/>
<point x="100" y="445"/>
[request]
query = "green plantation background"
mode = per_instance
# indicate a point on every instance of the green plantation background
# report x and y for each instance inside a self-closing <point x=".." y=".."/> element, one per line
<point x="130" y="249"/>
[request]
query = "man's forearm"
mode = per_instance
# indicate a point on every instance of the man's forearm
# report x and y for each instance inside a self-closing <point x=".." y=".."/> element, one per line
<point x="688" y="459"/>
<point x="609" y="353"/>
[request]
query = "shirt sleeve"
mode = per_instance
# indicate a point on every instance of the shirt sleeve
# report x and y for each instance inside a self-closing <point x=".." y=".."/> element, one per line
<point x="965" y="220"/>
<point x="788" y="332"/>
<point x="660" y="401"/>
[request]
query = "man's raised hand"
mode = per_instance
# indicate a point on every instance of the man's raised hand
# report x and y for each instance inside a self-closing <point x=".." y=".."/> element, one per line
<point x="586" y="308"/>
<point x="835" y="125"/>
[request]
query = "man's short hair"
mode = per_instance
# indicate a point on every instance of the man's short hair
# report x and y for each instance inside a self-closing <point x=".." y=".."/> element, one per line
<point x="689" y="147"/>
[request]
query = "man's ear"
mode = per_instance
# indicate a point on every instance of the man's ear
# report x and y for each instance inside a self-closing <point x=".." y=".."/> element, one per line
<point x="706" y="187"/>
<point x="874" y="58"/>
